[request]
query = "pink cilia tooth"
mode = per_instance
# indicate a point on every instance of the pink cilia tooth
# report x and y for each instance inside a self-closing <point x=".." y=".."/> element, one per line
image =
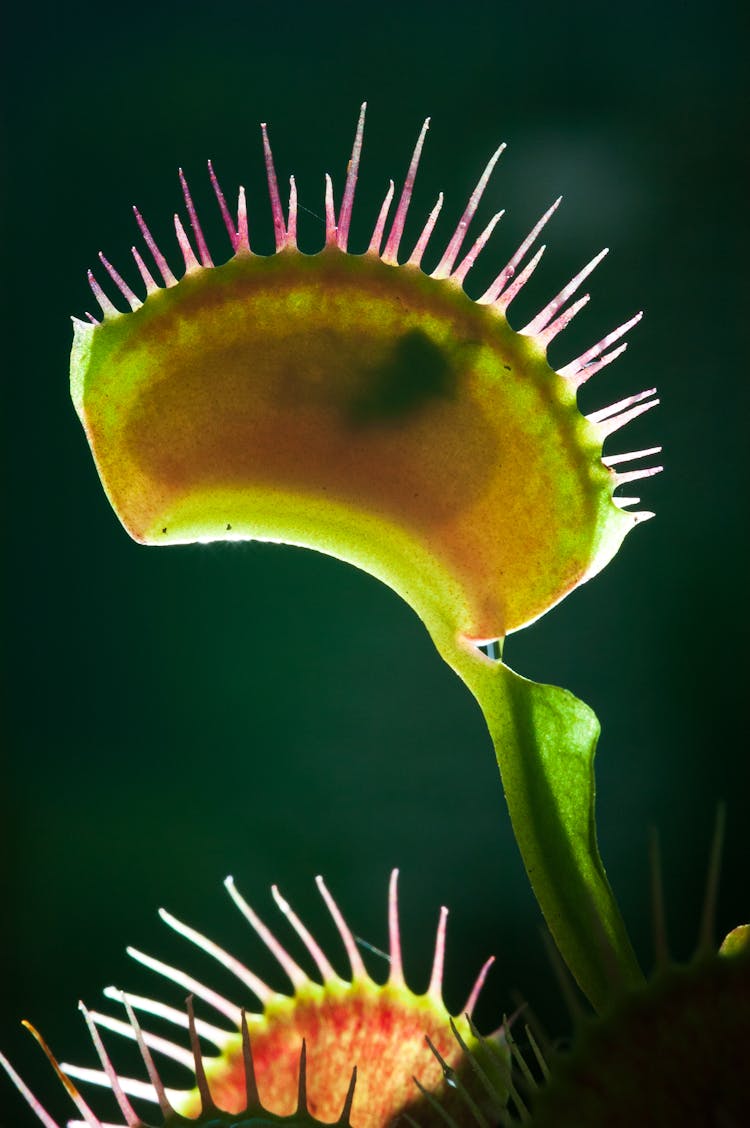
<point x="37" y="1108"/>
<point x="243" y="235"/>
<point x="614" y="408"/>
<point x="108" y="309"/>
<point x="154" y="1041"/>
<point x="261" y="990"/>
<point x="447" y="262"/>
<point x="72" y="1091"/>
<point x="514" y="289"/>
<point x="435" y="989"/>
<point x="631" y="456"/>
<point x="145" y="273"/>
<point x="331" y="234"/>
<point x="396" y="977"/>
<point x="218" y="1002"/>
<point x="624" y="501"/>
<point x="390" y="254"/>
<point x="165" y="1105"/>
<point x="494" y="290"/>
<point x="296" y="975"/>
<point x="594" y="366"/>
<point x="131" y="1086"/>
<point x="575" y="366"/>
<point x="463" y="268"/>
<point x="358" y="970"/>
<point x="279" y="227"/>
<point x="471" y="1002"/>
<point x="203" y="252"/>
<point x="206" y="1030"/>
<point x="562" y="321"/>
<point x="92" y="319"/>
<point x="291" y="228"/>
<point x="188" y="254"/>
<point x="167" y="275"/>
<point x="610" y="425"/>
<point x="321" y="962"/>
<point x="415" y="258"/>
<point x="377" y="234"/>
<point x="133" y="301"/>
<point x="543" y="318"/>
<point x="132" y="1118"/>
<point x="347" y="202"/>
<point x="223" y="208"/>
<point x="635" y="475"/>
<point x="82" y="324"/>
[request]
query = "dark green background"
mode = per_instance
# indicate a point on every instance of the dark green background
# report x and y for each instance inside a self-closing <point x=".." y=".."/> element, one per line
<point x="180" y="714"/>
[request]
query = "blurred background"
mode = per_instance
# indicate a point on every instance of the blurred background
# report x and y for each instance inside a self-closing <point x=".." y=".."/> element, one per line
<point x="173" y="716"/>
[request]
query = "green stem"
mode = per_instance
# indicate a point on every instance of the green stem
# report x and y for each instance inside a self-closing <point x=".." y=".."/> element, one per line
<point x="545" y="740"/>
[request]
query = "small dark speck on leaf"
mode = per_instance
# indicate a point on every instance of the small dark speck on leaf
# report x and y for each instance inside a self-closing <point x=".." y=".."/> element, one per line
<point x="228" y="527"/>
<point x="507" y="368"/>
<point x="164" y="530"/>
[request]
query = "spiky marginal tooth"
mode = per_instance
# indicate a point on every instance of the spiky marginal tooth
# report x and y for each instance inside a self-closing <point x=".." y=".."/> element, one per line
<point x="514" y="289"/>
<point x="291" y="227"/>
<point x="167" y="276"/>
<point x="131" y="1116"/>
<point x="543" y="318"/>
<point x="548" y="334"/>
<point x="131" y="1086"/>
<point x="630" y="456"/>
<point x="615" y="422"/>
<point x="331" y="240"/>
<point x="377" y="234"/>
<point x="595" y="366"/>
<point x="435" y="989"/>
<point x="463" y="268"/>
<point x="635" y="475"/>
<point x="165" y="1105"/>
<point x="133" y="301"/>
<point x="615" y="408"/>
<point x="324" y="967"/>
<point x="260" y="989"/>
<point x="223" y="206"/>
<point x="35" y="1106"/>
<point x="207" y="1030"/>
<point x="575" y="368"/>
<point x="396" y="976"/>
<point x="154" y="1041"/>
<point x="108" y="309"/>
<point x="70" y="1088"/>
<point x="390" y="254"/>
<point x="356" y="964"/>
<point x="218" y="1002"/>
<point x="203" y="251"/>
<point x="243" y="234"/>
<point x="415" y="258"/>
<point x="493" y="291"/>
<point x="445" y="267"/>
<point x="296" y="975"/>
<point x="188" y="254"/>
<point x="201" y="1080"/>
<point x="148" y="278"/>
<point x="352" y="172"/>
<point x="471" y="1002"/>
<point x="279" y="227"/>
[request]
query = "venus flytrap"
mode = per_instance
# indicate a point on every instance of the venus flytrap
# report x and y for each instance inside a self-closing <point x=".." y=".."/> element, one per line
<point x="354" y="404"/>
